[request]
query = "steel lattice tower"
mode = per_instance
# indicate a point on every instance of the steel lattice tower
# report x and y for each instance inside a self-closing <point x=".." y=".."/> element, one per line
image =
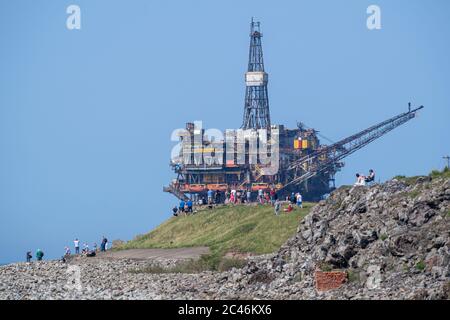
<point x="256" y="109"/>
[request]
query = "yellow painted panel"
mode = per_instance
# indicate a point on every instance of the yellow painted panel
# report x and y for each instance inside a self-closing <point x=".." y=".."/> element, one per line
<point x="304" y="144"/>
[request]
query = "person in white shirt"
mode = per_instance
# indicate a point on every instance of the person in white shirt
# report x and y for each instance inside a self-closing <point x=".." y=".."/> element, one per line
<point x="360" y="180"/>
<point x="299" y="200"/>
<point x="260" y="196"/>
<point x="76" y="242"/>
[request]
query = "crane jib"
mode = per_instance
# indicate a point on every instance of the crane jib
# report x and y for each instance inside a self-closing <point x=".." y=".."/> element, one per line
<point x="311" y="165"/>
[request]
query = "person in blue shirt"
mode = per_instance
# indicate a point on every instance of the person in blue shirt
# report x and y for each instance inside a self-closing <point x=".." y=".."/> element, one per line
<point x="210" y="196"/>
<point x="29" y="256"/>
<point x="39" y="254"/>
<point x="189" y="205"/>
<point x="181" y="207"/>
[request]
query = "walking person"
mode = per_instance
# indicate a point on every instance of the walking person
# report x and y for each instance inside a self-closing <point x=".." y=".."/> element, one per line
<point x="277" y="207"/>
<point x="76" y="242"/>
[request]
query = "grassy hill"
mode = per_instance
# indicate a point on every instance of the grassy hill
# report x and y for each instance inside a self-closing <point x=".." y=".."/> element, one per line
<point x="240" y="228"/>
<point x="435" y="174"/>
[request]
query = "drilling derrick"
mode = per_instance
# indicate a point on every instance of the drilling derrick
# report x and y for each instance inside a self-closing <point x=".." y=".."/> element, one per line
<point x="256" y="108"/>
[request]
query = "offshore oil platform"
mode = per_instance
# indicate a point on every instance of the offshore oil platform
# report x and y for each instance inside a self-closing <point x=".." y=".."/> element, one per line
<point x="298" y="161"/>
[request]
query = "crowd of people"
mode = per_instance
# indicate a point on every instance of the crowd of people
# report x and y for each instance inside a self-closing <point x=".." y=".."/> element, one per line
<point x="235" y="197"/>
<point x="85" y="251"/>
<point x="294" y="199"/>
<point x="246" y="196"/>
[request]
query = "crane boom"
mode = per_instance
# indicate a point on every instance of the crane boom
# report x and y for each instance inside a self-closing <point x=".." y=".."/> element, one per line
<point x="330" y="156"/>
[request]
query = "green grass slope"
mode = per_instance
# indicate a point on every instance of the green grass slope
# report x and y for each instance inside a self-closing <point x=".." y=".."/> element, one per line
<point x="239" y="228"/>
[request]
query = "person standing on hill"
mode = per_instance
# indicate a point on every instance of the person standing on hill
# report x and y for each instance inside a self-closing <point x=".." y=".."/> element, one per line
<point x="232" y="200"/>
<point x="243" y="197"/>
<point x="292" y="198"/>
<point x="272" y="196"/>
<point x="267" y="197"/>
<point x="76" y="242"/>
<point x="189" y="206"/>
<point x="260" y="196"/>
<point x="29" y="256"/>
<point x="249" y="196"/>
<point x="181" y="206"/>
<point x="103" y="244"/>
<point x="210" y="196"/>
<point x="299" y="200"/>
<point x="217" y="197"/>
<point x="39" y="254"/>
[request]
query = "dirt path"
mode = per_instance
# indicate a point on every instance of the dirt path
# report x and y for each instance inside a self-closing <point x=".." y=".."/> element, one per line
<point x="148" y="254"/>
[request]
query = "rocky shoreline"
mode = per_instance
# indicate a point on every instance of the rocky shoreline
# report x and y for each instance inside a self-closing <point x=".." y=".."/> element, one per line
<point x="392" y="241"/>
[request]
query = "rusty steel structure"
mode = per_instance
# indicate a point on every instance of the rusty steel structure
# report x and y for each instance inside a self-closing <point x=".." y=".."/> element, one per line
<point x="235" y="161"/>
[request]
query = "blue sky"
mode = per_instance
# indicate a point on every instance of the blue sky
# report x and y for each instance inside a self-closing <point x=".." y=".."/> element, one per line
<point x="86" y="115"/>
